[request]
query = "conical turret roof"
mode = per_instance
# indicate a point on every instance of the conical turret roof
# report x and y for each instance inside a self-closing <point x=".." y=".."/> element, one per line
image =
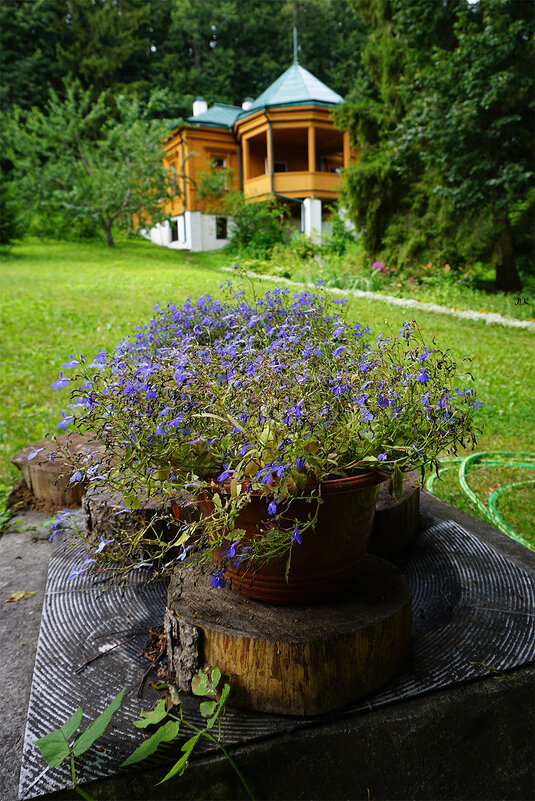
<point x="296" y="86"/>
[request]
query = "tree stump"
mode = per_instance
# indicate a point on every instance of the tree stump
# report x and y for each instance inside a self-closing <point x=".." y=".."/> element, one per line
<point x="292" y="660"/>
<point x="106" y="516"/>
<point x="396" y="522"/>
<point x="47" y="475"/>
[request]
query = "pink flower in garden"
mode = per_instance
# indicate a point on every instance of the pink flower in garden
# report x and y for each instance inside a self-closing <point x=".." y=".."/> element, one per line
<point x="378" y="265"/>
<point x="411" y="279"/>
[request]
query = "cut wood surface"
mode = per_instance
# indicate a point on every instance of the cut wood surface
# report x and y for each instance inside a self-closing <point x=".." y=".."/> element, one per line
<point x="300" y="660"/>
<point x="396" y="523"/>
<point x="47" y="474"/>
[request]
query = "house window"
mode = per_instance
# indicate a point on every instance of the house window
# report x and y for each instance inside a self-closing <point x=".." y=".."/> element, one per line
<point x="219" y="163"/>
<point x="220" y="227"/>
<point x="174" y="230"/>
<point x="280" y="166"/>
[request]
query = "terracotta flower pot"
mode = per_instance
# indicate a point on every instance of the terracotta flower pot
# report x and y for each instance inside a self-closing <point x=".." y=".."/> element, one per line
<point x="328" y="557"/>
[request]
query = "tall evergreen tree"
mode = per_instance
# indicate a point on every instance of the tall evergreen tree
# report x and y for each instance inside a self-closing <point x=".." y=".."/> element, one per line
<point x="97" y="37"/>
<point x="28" y="65"/>
<point x="440" y="115"/>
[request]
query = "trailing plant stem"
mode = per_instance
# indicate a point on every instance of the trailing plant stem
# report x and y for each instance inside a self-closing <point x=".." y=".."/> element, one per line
<point x="217" y="742"/>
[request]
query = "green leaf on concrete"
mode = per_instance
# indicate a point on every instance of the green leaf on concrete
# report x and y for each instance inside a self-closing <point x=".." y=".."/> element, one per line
<point x="165" y="734"/>
<point x="182" y="764"/>
<point x="72" y="724"/>
<point x="207" y="708"/>
<point x="54" y="747"/>
<point x="149" y="718"/>
<point x="86" y="739"/>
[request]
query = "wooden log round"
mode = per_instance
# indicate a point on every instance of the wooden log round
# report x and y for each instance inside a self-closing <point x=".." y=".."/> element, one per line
<point x="106" y="516"/>
<point x="47" y="474"/>
<point x="292" y="660"/>
<point x="396" y="522"/>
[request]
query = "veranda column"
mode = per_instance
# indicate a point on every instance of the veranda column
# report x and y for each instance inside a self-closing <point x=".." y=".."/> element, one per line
<point x="312" y="218"/>
<point x="269" y="145"/>
<point x="245" y="158"/>
<point x="311" y="149"/>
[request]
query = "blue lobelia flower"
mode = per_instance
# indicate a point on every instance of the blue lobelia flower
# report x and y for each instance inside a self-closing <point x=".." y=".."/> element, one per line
<point x="225" y="474"/>
<point x="65" y="420"/>
<point x="217" y="579"/>
<point x="422" y="377"/>
<point x="60" y="383"/>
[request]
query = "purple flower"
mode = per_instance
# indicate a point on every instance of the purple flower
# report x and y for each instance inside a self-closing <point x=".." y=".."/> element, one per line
<point x="75" y="477"/>
<point x="103" y="544"/>
<point x="35" y="452"/>
<point x="71" y="363"/>
<point x="296" y="536"/>
<point x="217" y="579"/>
<point x="57" y="523"/>
<point x="272" y="508"/>
<point x="65" y="420"/>
<point x="382" y="457"/>
<point x="231" y="551"/>
<point x="422" y="376"/>
<point x="225" y="474"/>
<point x="60" y="383"/>
<point x="77" y="571"/>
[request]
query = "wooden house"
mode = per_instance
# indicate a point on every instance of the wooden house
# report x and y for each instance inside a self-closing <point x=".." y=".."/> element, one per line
<point x="283" y="144"/>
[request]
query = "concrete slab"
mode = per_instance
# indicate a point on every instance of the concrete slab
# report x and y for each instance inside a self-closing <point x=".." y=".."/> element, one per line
<point x="468" y="742"/>
<point x="24" y="554"/>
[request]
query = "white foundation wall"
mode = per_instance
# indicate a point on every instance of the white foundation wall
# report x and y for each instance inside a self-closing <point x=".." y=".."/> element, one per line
<point x="190" y="231"/>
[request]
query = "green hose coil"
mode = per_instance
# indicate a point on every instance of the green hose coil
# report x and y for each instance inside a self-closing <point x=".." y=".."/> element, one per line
<point x="496" y="459"/>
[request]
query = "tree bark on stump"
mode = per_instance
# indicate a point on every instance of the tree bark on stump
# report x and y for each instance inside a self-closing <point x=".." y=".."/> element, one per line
<point x="48" y="479"/>
<point x="292" y="660"/>
<point x="396" y="522"/>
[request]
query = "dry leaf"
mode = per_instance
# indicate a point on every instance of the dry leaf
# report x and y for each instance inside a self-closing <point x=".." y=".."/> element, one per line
<point x="18" y="596"/>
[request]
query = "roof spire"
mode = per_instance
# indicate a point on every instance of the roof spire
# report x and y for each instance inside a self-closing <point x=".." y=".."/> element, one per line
<point x="296" y="60"/>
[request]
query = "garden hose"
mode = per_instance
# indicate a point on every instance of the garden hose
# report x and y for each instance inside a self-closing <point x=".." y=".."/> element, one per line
<point x="501" y="459"/>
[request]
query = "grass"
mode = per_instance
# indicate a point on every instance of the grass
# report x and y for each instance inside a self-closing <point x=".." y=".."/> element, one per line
<point x="60" y="298"/>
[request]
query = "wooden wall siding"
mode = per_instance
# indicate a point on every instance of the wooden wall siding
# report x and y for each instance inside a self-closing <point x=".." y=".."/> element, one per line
<point x="304" y="138"/>
<point x="199" y="148"/>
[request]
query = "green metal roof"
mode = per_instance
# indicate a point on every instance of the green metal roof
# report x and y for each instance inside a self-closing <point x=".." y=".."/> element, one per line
<point x="219" y="115"/>
<point x="295" y="86"/>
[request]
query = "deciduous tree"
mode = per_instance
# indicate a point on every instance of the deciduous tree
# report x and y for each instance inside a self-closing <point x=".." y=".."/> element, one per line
<point x="93" y="160"/>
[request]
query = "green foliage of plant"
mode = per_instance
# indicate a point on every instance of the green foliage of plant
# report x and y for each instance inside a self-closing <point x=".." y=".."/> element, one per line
<point x="5" y="512"/>
<point x="205" y="683"/>
<point x="257" y="227"/>
<point x="11" y="224"/>
<point x="95" y="162"/>
<point x="441" y="116"/>
<point x="56" y="746"/>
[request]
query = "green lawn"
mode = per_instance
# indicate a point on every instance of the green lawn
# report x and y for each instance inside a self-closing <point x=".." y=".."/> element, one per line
<point x="59" y="298"/>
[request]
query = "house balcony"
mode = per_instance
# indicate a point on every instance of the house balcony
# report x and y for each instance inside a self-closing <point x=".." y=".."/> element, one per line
<point x="298" y="184"/>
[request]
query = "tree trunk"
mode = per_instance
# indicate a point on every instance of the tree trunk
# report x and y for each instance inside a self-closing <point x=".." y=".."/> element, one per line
<point x="507" y="277"/>
<point x="107" y="233"/>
